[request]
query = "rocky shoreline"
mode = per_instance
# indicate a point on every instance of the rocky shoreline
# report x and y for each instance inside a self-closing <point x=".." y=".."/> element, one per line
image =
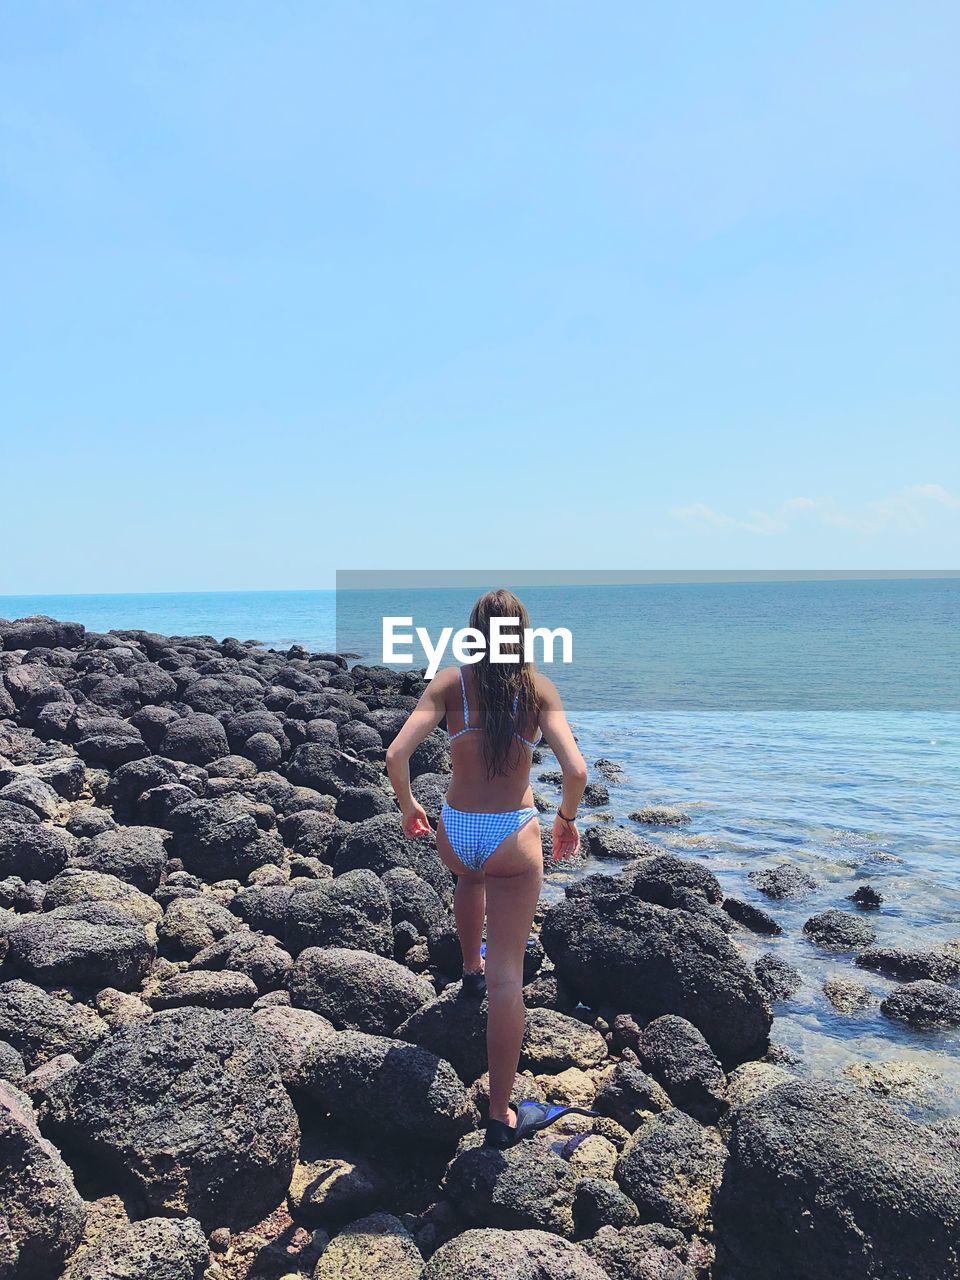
<point x="233" y="1041"/>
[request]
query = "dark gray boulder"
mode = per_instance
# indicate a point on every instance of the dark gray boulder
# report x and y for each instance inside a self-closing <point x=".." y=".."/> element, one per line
<point x="195" y="739"/>
<point x="453" y="1026"/>
<point x="674" y="1052"/>
<point x="358" y="990"/>
<point x="221" y="990"/>
<point x="825" y="1183"/>
<point x="110" y="741"/>
<point x="398" y="1092"/>
<point x="32" y="793"/>
<point x="188" y="1106"/>
<point x="412" y="899"/>
<point x="495" y="1254"/>
<point x="553" y="1041"/>
<point x="784" y="881"/>
<point x="378" y="1244"/>
<point x="12" y="1067"/>
<point x="42" y="1216"/>
<point x="669" y="881"/>
<point x="614" y="949"/>
<point x="866" y="897"/>
<point x="90" y="945"/>
<point x="661" y="815"/>
<point x="130" y="781"/>
<point x="222" y="838"/>
<point x="354" y="804"/>
<point x="603" y="840"/>
<point x="86" y="821"/>
<point x="292" y="1034"/>
<point x="779" y="980"/>
<point x="253" y="954"/>
<point x="628" y="1095"/>
<point x="310" y="832"/>
<point x="152" y="1249"/>
<point x="599" y="1202"/>
<point x="41" y="1026"/>
<point x="751" y="916"/>
<point x="351" y="910"/>
<point x="839" y="930"/>
<point x="647" y="1252"/>
<point x="135" y="854"/>
<point x="323" y="767"/>
<point x="191" y="924"/>
<point x="924" y="1004"/>
<point x="377" y="844"/>
<point x="524" y="1186"/>
<point x="910" y="965"/>
<point x="671" y="1168"/>
<point x="39" y="631"/>
<point x="33" y="851"/>
<point x="431" y="756"/>
<point x="443" y="946"/>
<point x="74" y="885"/>
<point x="430" y="790"/>
<point x="264" y="907"/>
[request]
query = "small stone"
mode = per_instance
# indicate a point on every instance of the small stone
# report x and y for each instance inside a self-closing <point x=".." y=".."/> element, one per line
<point x="866" y="897"/>
<point x="839" y="930"/>
<point x="660" y="815"/>
<point x="847" y="996"/>
<point x="220" y="1239"/>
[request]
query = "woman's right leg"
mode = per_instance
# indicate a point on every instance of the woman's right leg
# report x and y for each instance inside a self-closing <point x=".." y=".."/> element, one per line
<point x="513" y="874"/>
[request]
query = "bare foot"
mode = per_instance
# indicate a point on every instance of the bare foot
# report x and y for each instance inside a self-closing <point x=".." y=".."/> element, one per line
<point x="509" y="1118"/>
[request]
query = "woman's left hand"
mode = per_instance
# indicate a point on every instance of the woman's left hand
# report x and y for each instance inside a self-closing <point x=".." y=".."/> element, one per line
<point x="416" y="822"/>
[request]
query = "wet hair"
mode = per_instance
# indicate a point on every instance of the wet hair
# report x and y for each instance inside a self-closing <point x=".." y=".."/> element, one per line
<point x="498" y="683"/>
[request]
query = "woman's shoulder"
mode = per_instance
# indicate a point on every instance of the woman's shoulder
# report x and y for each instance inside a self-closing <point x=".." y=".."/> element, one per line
<point x="544" y="685"/>
<point x="445" y="679"/>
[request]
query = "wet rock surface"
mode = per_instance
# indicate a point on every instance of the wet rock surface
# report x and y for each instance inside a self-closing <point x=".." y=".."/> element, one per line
<point x="612" y="947"/>
<point x="924" y="1004"/>
<point x="784" y="881"/>
<point x="839" y="930"/>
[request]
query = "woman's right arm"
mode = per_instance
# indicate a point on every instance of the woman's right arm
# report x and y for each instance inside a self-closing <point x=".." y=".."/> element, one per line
<point x="559" y="736"/>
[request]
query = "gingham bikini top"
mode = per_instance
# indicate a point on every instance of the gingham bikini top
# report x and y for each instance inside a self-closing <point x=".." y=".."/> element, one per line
<point x="475" y="728"/>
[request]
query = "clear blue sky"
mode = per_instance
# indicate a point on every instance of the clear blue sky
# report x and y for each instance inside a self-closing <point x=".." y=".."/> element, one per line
<point x="292" y="287"/>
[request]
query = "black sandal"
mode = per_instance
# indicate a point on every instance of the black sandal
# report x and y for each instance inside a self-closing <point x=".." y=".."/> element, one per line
<point x="531" y="1116"/>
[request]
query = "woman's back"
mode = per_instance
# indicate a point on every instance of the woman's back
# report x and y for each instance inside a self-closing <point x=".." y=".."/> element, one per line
<point x="471" y="787"/>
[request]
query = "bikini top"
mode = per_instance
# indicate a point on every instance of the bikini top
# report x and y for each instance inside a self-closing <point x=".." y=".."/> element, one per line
<point x="475" y="728"/>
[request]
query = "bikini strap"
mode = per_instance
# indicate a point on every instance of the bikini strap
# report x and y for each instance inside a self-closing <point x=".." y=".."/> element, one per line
<point x="463" y="694"/>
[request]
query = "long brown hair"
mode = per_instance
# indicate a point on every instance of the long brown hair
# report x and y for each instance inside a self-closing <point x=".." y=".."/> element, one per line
<point x="498" y="683"/>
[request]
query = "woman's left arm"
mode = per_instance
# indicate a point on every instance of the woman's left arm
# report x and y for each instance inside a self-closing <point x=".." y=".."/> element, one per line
<point x="420" y="723"/>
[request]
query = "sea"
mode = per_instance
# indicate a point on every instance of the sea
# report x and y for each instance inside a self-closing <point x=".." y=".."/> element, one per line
<point x="814" y="722"/>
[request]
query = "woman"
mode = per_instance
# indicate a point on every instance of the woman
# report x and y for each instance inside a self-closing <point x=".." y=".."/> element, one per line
<point x="489" y="835"/>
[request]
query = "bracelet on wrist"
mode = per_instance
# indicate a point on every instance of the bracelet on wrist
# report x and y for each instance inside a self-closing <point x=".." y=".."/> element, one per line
<point x="565" y="818"/>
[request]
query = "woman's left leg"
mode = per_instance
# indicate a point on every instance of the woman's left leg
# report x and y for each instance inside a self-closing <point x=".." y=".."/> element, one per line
<point x="469" y="906"/>
<point x="514" y="877"/>
<point x="469" y="903"/>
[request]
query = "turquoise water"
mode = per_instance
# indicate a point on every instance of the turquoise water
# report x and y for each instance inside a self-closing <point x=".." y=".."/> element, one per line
<point x="817" y="722"/>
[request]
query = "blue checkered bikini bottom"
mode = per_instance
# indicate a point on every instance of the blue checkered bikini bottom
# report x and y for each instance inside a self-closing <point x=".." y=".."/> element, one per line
<point x="474" y="836"/>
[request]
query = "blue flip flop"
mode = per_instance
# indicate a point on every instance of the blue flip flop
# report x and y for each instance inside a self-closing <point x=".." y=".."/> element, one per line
<point x="532" y="1116"/>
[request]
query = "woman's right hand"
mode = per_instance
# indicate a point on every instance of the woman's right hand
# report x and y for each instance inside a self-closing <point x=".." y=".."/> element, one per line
<point x="415" y="821"/>
<point x="566" y="839"/>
